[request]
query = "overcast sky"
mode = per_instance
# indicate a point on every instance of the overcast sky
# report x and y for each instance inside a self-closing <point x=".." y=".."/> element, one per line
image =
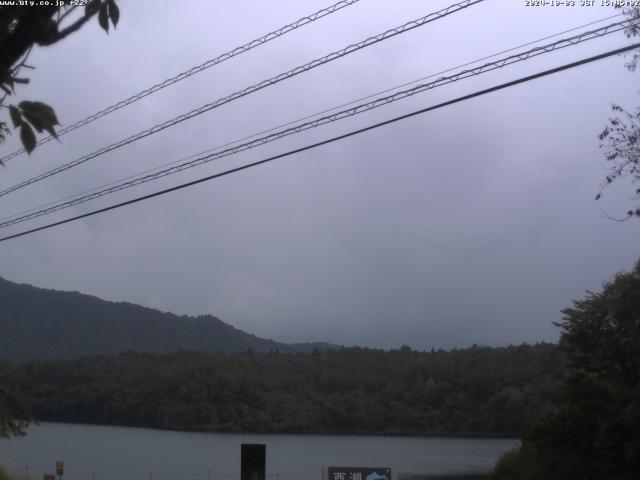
<point x="475" y="223"/>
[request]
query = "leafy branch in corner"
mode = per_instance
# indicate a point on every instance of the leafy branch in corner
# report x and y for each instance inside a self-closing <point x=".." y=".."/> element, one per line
<point x="621" y="137"/>
<point x="21" y="28"/>
<point x="621" y="143"/>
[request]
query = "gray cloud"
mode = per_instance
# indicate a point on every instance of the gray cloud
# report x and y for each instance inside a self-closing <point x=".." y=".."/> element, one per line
<point x="471" y="224"/>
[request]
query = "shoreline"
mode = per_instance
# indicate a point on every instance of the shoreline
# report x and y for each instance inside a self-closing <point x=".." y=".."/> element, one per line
<point x="466" y="435"/>
<point x="453" y="476"/>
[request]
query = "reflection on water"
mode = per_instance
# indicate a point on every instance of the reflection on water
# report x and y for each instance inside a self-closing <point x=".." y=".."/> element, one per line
<point x="121" y="453"/>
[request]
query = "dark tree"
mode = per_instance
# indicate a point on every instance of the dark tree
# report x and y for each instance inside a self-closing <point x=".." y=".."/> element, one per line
<point x="14" y="414"/>
<point x="478" y="391"/>
<point x="596" y="431"/>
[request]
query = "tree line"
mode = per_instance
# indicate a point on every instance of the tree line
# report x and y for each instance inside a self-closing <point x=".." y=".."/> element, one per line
<point x="478" y="391"/>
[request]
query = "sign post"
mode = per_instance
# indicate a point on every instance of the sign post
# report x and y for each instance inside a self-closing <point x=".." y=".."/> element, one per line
<point x="358" y="473"/>
<point x="253" y="459"/>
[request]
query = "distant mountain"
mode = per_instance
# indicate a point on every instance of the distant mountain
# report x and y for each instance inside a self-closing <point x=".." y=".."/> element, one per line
<point x="37" y="322"/>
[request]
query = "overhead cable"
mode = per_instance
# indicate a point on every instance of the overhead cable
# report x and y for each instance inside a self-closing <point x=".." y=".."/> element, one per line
<point x="253" y="88"/>
<point x="313" y="115"/>
<point x="307" y="117"/>
<point x="331" y="140"/>
<point x="487" y="67"/>
<point x="192" y="71"/>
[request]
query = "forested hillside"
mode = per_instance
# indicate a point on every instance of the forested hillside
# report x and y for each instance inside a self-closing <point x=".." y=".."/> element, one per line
<point x="37" y="322"/>
<point x="476" y="391"/>
<point x="594" y="432"/>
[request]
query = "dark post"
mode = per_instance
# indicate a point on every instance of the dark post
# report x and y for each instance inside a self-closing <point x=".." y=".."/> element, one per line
<point x="60" y="469"/>
<point x="253" y="459"/>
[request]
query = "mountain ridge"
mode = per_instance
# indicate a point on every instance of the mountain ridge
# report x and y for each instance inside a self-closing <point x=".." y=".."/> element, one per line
<point x="46" y="323"/>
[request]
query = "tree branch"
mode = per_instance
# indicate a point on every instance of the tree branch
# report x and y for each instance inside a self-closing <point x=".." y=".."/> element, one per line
<point x="62" y="17"/>
<point x="619" y="220"/>
<point x="68" y="30"/>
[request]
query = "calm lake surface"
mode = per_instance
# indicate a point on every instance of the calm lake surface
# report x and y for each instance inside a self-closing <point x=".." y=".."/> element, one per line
<point x="121" y="453"/>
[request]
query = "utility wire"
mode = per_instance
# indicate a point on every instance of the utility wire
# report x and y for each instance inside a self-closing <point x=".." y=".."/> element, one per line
<point x="253" y="88"/>
<point x="332" y="139"/>
<point x="307" y="117"/>
<point x="192" y="71"/>
<point x="487" y="67"/>
<point x="350" y="112"/>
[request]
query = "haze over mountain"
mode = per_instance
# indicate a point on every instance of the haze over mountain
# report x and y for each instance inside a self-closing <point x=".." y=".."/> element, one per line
<point x="37" y="322"/>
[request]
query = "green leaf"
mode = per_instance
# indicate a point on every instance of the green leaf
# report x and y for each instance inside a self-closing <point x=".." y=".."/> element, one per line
<point x="40" y="110"/>
<point x="4" y="133"/>
<point x="16" y="117"/>
<point x="103" y="17"/>
<point x="35" y="121"/>
<point x="114" y="12"/>
<point x="51" y="131"/>
<point x="91" y="8"/>
<point x="41" y="116"/>
<point x="28" y="137"/>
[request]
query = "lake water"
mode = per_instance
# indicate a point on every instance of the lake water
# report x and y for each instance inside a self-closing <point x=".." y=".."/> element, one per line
<point x="121" y="453"/>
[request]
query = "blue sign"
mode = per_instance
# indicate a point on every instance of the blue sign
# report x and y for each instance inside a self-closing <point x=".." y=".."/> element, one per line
<point x="358" y="473"/>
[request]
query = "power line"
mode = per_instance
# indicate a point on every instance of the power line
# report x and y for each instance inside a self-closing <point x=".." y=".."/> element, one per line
<point x="253" y="88"/>
<point x="320" y="121"/>
<point x="332" y="139"/>
<point x="487" y="67"/>
<point x="192" y="71"/>
<point x="292" y="122"/>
